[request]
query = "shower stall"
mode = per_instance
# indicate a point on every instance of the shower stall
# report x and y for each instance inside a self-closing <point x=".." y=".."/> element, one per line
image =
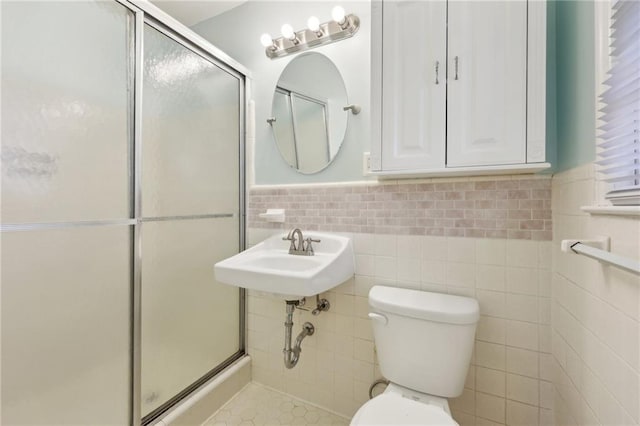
<point x="122" y="184"/>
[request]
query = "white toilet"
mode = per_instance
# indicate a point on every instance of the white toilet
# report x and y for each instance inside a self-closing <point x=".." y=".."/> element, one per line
<point x="424" y="343"/>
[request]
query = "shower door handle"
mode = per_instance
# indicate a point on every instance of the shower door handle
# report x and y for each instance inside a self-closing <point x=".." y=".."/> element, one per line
<point x="456" y="60"/>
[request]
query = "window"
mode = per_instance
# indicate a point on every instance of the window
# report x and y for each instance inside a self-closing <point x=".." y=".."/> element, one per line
<point x="619" y="148"/>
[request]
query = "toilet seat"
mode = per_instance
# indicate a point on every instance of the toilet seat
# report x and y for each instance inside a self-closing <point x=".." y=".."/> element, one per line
<point x="393" y="409"/>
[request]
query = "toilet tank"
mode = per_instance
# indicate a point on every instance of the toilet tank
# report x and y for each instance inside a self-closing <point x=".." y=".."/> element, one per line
<point x="423" y="340"/>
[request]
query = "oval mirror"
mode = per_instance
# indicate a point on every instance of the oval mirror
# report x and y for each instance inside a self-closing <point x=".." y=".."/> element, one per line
<point x="308" y="120"/>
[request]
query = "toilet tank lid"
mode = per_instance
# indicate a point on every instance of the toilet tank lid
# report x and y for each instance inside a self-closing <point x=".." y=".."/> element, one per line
<point x="437" y="307"/>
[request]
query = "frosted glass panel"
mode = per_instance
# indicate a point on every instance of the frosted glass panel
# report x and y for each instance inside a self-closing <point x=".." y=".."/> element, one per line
<point x="65" y="137"/>
<point x="66" y="327"/>
<point x="190" y="323"/>
<point x="190" y="149"/>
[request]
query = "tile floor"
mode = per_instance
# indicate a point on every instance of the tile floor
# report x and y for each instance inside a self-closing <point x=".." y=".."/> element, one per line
<point x="256" y="405"/>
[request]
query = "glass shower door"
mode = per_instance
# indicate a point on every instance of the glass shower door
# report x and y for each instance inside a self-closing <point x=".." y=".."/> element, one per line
<point x="190" y="199"/>
<point x="121" y="187"/>
<point x="66" y="213"/>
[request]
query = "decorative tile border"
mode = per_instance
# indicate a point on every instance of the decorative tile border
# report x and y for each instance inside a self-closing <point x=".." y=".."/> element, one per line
<point x="515" y="208"/>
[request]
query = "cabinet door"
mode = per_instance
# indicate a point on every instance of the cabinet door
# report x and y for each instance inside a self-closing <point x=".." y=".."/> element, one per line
<point x="413" y="84"/>
<point x="487" y="80"/>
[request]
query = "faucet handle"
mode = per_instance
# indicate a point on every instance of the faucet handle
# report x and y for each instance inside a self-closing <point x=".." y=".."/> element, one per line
<point x="309" y="248"/>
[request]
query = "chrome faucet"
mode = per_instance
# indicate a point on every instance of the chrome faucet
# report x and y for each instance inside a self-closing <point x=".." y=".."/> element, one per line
<point x="295" y="235"/>
<point x="299" y="245"/>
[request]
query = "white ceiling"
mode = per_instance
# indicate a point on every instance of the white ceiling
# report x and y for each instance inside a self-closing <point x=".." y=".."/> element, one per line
<point x="190" y="12"/>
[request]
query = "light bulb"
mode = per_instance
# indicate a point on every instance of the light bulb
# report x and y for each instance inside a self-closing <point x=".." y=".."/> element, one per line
<point x="338" y="14"/>
<point x="266" y="40"/>
<point x="313" y="23"/>
<point x="287" y="32"/>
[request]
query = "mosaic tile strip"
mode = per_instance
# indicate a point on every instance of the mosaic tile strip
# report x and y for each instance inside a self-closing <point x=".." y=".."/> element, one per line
<point x="513" y="208"/>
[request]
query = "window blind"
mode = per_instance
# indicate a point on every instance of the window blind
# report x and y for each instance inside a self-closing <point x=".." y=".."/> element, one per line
<point x="619" y="149"/>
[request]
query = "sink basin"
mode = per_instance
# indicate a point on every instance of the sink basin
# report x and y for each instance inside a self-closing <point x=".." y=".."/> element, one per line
<point x="269" y="267"/>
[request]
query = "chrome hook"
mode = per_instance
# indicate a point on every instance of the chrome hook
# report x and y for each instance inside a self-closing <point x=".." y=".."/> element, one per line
<point x="355" y="109"/>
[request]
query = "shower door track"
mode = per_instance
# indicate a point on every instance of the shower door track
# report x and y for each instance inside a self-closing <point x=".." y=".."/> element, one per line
<point x="158" y="412"/>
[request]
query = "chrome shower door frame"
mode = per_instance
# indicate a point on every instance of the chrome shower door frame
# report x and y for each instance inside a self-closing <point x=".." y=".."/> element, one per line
<point x="147" y="14"/>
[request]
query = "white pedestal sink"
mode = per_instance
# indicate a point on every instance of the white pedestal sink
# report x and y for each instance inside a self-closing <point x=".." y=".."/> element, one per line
<point x="269" y="267"/>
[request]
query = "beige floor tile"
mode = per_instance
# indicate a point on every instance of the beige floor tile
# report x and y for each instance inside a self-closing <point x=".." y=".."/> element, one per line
<point x="260" y="406"/>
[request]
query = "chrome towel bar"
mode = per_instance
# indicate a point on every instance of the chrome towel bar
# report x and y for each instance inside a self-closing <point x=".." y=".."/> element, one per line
<point x="599" y="249"/>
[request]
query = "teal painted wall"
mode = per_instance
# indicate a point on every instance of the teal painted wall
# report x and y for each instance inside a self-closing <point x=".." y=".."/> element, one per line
<point x="570" y="83"/>
<point x="575" y="83"/>
<point x="237" y="32"/>
<point x="551" y="149"/>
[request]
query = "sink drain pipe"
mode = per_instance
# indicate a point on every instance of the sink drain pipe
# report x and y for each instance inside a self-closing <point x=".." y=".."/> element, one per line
<point x="292" y="355"/>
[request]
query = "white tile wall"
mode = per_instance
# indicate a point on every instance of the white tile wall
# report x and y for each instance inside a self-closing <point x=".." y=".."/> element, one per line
<point x="505" y="384"/>
<point x="595" y="312"/>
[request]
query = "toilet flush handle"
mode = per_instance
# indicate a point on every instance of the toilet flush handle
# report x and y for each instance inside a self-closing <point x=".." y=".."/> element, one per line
<point x="378" y="317"/>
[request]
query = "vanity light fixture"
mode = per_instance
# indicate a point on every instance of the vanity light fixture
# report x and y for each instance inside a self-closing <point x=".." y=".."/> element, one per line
<point x="339" y="16"/>
<point x="314" y="25"/>
<point x="267" y="42"/>
<point x="342" y="26"/>
<point x="289" y="34"/>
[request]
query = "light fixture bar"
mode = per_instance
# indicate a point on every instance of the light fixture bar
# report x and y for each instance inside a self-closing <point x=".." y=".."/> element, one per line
<point x="328" y="32"/>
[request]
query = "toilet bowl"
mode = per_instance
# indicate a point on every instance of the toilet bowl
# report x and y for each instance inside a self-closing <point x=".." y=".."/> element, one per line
<point x="399" y="406"/>
<point x="424" y="343"/>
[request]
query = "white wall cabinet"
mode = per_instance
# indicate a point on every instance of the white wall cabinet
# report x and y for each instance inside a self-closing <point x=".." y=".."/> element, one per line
<point x="413" y="114"/>
<point x="451" y="83"/>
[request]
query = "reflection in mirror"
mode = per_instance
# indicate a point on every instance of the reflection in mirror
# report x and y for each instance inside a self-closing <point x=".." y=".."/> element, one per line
<point x="308" y="119"/>
<point x="283" y="126"/>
